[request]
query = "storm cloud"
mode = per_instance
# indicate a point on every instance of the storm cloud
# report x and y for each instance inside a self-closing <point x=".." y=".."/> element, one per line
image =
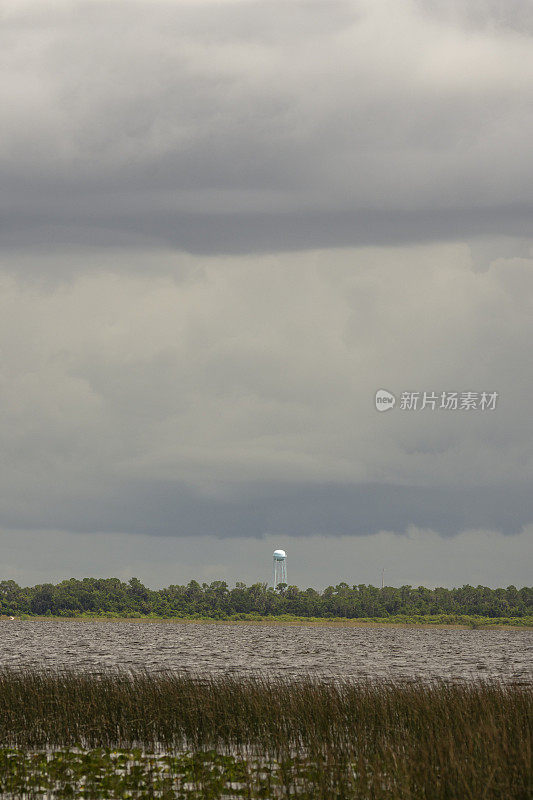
<point x="224" y="225"/>
<point x="259" y="126"/>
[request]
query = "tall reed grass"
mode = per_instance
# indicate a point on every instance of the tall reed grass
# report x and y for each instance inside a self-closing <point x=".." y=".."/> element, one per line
<point x="435" y="741"/>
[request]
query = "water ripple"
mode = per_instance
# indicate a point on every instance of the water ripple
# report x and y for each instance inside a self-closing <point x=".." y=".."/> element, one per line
<point x="287" y="650"/>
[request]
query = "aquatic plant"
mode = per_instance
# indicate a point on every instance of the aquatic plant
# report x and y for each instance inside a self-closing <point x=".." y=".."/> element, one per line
<point x="302" y="738"/>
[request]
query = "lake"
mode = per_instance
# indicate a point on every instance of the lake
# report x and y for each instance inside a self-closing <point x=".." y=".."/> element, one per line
<point x="285" y="650"/>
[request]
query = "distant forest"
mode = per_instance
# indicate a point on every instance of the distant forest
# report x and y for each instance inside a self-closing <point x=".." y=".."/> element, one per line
<point x="112" y="597"/>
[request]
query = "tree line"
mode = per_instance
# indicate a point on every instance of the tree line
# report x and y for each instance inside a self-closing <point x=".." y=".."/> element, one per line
<point x="216" y="600"/>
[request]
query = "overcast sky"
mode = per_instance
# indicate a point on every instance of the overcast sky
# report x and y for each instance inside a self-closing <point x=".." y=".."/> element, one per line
<point x="224" y="225"/>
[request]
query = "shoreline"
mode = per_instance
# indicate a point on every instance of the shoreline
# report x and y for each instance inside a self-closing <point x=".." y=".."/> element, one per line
<point x="341" y="622"/>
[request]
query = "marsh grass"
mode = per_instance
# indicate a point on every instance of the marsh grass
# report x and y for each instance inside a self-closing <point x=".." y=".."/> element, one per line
<point x="396" y="620"/>
<point x="254" y="737"/>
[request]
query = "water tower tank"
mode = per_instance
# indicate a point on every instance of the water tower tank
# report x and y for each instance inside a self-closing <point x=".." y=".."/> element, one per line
<point x="279" y="567"/>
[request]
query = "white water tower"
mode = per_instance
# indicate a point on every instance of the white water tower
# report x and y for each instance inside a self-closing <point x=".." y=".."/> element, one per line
<point x="279" y="567"/>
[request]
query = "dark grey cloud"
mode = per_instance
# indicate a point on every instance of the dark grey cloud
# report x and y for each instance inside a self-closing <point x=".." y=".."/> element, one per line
<point x="167" y="509"/>
<point x="245" y="126"/>
<point x="223" y="226"/>
<point x="211" y="234"/>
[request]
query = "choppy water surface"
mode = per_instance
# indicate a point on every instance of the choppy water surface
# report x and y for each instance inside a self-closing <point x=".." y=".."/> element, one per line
<point x="270" y="649"/>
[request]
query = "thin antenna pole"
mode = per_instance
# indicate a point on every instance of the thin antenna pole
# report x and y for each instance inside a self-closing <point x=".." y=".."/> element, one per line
<point x="382" y="576"/>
